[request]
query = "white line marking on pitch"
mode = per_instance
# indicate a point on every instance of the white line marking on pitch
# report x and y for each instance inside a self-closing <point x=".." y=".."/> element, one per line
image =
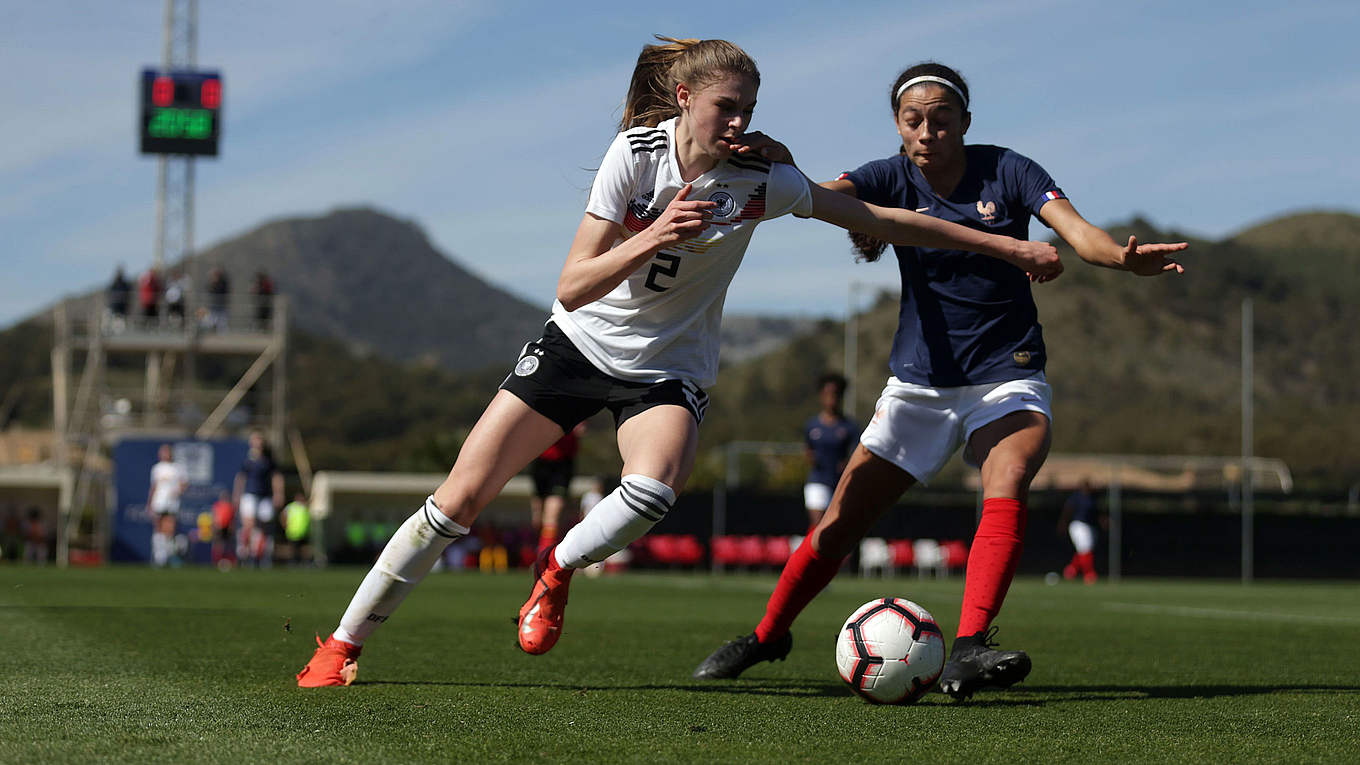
<point x="1220" y="613"/>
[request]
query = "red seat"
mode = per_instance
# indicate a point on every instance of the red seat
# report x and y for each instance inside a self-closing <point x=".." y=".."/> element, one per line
<point x="751" y="550"/>
<point x="955" y="553"/>
<point x="903" y="555"/>
<point x="726" y="550"/>
<point x="687" y="550"/>
<point x="776" y="551"/>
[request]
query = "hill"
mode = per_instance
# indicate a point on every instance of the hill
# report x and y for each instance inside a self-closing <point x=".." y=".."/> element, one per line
<point x="377" y="284"/>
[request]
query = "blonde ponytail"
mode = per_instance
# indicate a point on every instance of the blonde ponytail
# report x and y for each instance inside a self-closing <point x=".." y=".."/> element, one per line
<point x="651" y="92"/>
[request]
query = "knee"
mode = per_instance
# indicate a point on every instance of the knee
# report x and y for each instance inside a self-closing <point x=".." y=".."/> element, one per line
<point x="459" y="503"/>
<point x="1011" y="477"/>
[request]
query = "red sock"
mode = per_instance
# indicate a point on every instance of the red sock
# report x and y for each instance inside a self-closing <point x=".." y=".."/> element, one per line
<point x="991" y="562"/>
<point x="1088" y="563"/>
<point x="806" y="574"/>
<point x="550" y="560"/>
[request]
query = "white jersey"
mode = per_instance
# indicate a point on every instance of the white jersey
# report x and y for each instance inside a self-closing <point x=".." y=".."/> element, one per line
<point x="167" y="479"/>
<point x="662" y="322"/>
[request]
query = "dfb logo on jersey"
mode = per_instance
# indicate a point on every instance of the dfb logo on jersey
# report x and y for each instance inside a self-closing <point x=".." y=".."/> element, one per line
<point x="726" y="205"/>
<point x="526" y="366"/>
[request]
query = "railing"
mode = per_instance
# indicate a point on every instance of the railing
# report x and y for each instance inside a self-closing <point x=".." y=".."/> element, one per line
<point x="204" y="312"/>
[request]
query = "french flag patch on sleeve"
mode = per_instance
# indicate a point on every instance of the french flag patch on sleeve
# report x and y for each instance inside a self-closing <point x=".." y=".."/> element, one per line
<point x="1054" y="194"/>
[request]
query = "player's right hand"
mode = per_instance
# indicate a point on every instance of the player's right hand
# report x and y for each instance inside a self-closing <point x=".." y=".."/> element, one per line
<point x="683" y="218"/>
<point x="1038" y="259"/>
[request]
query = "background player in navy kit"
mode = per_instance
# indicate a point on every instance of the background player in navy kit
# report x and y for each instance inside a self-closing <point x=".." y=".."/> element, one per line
<point x="830" y="436"/>
<point x="1078" y="521"/>
<point x="967" y="364"/>
<point x="634" y="328"/>
<point x="257" y="493"/>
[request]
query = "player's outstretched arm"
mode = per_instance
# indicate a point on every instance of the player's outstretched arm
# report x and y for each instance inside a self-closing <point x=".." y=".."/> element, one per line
<point x="904" y="227"/>
<point x="1095" y="246"/>
<point x="594" y="267"/>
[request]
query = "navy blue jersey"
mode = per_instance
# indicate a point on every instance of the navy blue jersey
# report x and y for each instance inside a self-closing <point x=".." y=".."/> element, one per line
<point x="830" y="445"/>
<point x="259" y="471"/>
<point x="1083" y="507"/>
<point x="966" y="319"/>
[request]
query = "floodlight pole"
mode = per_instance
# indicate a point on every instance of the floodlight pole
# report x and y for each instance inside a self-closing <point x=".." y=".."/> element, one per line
<point x="851" y="349"/>
<point x="1248" y="503"/>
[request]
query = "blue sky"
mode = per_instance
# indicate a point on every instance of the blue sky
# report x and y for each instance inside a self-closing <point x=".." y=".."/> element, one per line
<point x="481" y="121"/>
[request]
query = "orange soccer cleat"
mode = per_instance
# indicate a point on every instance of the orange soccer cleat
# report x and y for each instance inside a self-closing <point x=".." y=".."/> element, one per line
<point x="540" y="618"/>
<point x="334" y="663"/>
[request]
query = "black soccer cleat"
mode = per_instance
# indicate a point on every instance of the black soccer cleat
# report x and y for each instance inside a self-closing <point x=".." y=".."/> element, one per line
<point x="742" y="654"/>
<point x="975" y="664"/>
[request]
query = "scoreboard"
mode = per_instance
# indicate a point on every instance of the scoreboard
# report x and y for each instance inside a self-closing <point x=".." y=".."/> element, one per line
<point x="181" y="112"/>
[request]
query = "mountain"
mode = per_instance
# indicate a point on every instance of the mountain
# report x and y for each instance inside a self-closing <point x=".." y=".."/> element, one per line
<point x="377" y="284"/>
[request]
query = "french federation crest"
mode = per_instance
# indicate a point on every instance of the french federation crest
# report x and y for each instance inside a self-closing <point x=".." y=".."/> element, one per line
<point x="987" y="212"/>
<point x="726" y="205"/>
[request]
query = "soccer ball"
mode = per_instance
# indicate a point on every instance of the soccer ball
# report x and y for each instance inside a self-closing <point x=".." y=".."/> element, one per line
<point x="890" y="651"/>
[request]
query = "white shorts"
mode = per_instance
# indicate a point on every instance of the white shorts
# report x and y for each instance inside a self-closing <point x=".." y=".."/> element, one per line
<point x="817" y="496"/>
<point x="165" y="507"/>
<point x="255" y="508"/>
<point x="918" y="428"/>
<point x="1083" y="536"/>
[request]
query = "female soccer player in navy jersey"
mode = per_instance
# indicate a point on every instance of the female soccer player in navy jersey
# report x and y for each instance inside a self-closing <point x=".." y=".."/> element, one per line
<point x="967" y="370"/>
<point x="634" y="329"/>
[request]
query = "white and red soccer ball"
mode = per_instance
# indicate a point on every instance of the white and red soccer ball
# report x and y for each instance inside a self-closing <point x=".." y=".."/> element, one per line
<point x="890" y="651"/>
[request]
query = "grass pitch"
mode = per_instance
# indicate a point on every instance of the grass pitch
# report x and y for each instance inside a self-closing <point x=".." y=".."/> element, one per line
<point x="135" y="665"/>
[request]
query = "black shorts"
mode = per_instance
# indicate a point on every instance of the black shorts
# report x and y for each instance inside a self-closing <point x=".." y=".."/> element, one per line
<point x="551" y="476"/>
<point x="556" y="381"/>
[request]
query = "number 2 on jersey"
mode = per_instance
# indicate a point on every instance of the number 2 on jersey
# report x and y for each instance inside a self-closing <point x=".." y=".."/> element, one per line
<point x="671" y="268"/>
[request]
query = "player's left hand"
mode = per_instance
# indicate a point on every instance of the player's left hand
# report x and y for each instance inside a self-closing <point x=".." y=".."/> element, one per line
<point x="1151" y="259"/>
<point x="762" y="145"/>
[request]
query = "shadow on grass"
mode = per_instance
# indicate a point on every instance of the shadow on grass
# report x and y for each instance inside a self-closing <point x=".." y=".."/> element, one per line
<point x="762" y="688"/>
<point x="1019" y="696"/>
<point x="1135" y="692"/>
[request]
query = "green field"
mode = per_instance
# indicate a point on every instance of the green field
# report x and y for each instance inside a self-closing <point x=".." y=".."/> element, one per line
<point x="195" y="665"/>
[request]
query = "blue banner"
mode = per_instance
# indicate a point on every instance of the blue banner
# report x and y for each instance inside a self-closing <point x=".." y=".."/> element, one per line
<point x="211" y="466"/>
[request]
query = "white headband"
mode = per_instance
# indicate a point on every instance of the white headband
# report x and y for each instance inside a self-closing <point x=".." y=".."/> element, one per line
<point x="931" y="78"/>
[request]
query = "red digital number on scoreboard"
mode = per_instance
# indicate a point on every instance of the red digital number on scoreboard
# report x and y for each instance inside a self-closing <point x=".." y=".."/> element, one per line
<point x="210" y="95"/>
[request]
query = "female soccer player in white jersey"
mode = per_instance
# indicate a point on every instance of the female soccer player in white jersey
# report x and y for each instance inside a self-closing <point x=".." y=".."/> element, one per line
<point x="967" y="370"/>
<point x="634" y="329"/>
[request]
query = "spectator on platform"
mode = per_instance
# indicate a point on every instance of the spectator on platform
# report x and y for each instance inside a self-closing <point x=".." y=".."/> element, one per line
<point x="149" y="294"/>
<point x="119" y="294"/>
<point x="262" y="293"/>
<point x="176" y="294"/>
<point x="219" y="291"/>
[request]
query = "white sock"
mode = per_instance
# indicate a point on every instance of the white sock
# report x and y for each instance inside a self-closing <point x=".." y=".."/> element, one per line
<point x="617" y="520"/>
<point x="160" y="549"/>
<point x="406" y="559"/>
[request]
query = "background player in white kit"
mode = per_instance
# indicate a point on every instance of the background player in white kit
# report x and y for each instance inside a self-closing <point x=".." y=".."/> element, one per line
<point x="634" y="329"/>
<point x="169" y="479"/>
